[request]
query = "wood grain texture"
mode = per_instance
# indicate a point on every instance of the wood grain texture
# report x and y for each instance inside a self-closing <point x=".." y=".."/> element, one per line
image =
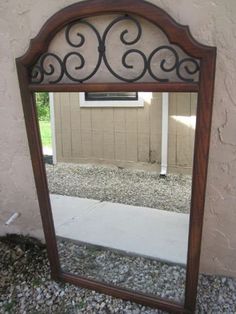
<point x="172" y="307"/>
<point x="36" y="153"/>
<point x="177" y="34"/>
<point x="116" y="87"/>
<point x="200" y="164"/>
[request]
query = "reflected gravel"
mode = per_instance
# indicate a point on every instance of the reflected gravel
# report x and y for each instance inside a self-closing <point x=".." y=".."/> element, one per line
<point x="132" y="272"/>
<point x="118" y="185"/>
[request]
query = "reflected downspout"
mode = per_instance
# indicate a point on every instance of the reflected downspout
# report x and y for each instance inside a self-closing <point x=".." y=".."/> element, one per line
<point x="52" y="120"/>
<point x="164" y="134"/>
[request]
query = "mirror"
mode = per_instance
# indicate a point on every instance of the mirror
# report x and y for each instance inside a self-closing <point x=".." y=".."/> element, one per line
<point x="117" y="215"/>
<point x="119" y="171"/>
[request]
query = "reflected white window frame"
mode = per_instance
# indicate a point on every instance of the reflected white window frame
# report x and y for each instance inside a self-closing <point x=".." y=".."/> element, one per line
<point x="113" y="103"/>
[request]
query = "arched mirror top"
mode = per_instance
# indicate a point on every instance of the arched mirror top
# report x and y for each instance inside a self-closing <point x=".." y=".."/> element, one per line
<point x="115" y="42"/>
<point x="120" y="46"/>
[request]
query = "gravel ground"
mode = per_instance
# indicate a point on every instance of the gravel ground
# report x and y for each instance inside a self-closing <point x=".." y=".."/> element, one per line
<point x="25" y="287"/>
<point x="125" y="186"/>
<point x="132" y="272"/>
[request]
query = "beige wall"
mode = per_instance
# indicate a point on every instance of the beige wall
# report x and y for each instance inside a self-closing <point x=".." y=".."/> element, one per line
<point x="124" y="136"/>
<point x="181" y="134"/>
<point x="211" y="22"/>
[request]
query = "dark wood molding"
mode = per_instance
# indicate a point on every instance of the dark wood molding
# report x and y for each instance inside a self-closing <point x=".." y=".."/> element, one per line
<point x="116" y="87"/>
<point x="117" y="292"/>
<point x="177" y="34"/>
<point x="35" y="146"/>
<point x="200" y="165"/>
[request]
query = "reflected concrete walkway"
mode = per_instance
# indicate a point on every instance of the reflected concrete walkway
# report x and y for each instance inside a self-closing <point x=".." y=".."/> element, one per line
<point x="138" y="230"/>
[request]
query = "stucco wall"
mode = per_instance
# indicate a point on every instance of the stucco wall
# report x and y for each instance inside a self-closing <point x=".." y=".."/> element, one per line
<point x="211" y="22"/>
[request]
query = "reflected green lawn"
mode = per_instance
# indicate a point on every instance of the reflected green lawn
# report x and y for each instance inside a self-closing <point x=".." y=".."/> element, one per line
<point x="46" y="133"/>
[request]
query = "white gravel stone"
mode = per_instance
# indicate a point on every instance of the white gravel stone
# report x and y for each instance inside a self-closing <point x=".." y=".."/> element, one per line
<point x="125" y="186"/>
<point x="215" y="294"/>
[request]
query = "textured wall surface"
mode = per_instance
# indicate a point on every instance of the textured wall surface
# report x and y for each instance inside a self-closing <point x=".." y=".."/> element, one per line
<point x="211" y="22"/>
<point x="124" y="136"/>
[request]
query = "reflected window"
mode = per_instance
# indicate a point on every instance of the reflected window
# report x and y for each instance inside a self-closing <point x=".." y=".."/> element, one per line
<point x="111" y="96"/>
<point x="111" y="99"/>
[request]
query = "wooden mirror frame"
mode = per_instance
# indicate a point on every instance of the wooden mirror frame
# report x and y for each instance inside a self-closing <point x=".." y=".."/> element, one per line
<point x="177" y="34"/>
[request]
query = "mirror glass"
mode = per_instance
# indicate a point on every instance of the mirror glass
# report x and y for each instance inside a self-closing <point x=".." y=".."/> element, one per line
<point x="119" y="171"/>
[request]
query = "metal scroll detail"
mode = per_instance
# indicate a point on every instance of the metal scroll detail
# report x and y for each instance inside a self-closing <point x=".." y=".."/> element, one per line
<point x="54" y="68"/>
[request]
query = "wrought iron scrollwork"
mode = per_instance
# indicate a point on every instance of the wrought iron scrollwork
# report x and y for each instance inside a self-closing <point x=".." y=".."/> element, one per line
<point x="184" y="69"/>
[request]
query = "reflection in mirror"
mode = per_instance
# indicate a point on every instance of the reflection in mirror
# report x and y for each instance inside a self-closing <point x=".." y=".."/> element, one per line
<point x="119" y="169"/>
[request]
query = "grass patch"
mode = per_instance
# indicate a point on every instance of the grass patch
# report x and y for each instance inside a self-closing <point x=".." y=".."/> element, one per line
<point x="8" y="307"/>
<point x="46" y="133"/>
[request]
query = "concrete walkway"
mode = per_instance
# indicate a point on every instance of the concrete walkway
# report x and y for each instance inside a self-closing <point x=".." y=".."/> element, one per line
<point x="138" y="230"/>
